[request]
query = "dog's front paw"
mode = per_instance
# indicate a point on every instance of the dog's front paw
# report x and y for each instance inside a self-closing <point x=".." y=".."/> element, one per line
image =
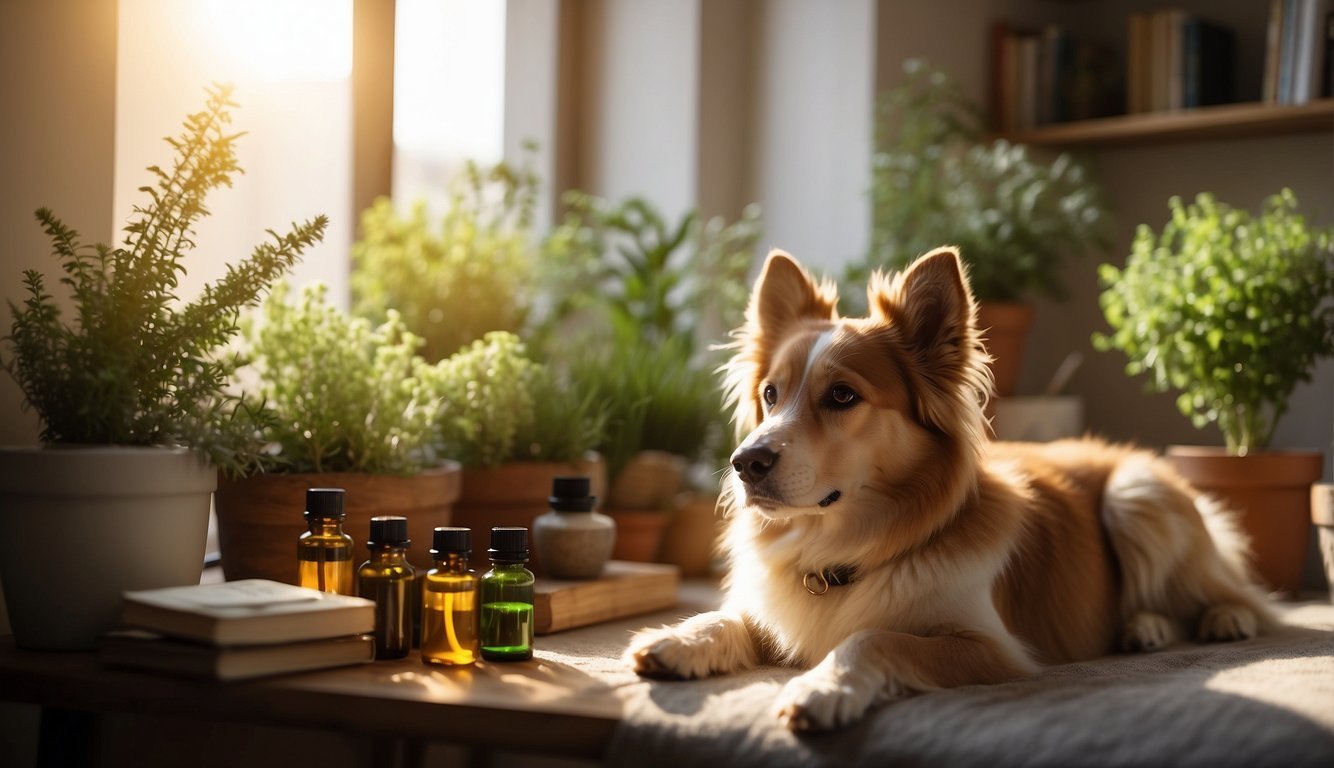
<point x="1146" y="632"/>
<point x="708" y="644"/>
<point x="820" y="700"/>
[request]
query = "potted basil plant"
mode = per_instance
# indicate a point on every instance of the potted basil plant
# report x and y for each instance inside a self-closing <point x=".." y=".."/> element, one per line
<point x="1233" y="311"/>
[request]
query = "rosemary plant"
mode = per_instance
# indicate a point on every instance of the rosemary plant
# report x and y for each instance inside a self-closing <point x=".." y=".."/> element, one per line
<point x="134" y="366"/>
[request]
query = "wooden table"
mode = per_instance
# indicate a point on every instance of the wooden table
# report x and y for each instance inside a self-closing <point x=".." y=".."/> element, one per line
<point x="536" y="706"/>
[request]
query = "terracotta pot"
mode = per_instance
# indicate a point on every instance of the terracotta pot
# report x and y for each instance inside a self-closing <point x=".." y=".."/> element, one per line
<point x="1005" y="328"/>
<point x="80" y="526"/>
<point x="691" y="538"/>
<point x="516" y="494"/>
<point x="651" y="480"/>
<point x="1272" y="493"/>
<point x="638" y="534"/>
<point x="260" y="518"/>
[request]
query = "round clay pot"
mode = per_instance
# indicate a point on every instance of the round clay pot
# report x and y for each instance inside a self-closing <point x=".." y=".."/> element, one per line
<point x="691" y="538"/>
<point x="1004" y="327"/>
<point x="260" y="518"/>
<point x="638" y="534"/>
<point x="1271" y="491"/>
<point x="650" y="480"/>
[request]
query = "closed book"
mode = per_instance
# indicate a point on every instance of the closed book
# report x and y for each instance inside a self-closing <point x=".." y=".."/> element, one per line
<point x="1209" y="67"/>
<point x="247" y="612"/>
<point x="141" y="649"/>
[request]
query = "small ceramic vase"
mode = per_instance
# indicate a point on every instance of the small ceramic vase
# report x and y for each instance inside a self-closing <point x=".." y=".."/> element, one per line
<point x="572" y="540"/>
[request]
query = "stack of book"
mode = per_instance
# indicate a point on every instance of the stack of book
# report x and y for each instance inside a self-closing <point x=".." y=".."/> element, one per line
<point x="240" y="629"/>
<point x="1299" y="51"/>
<point x="1176" y="60"/>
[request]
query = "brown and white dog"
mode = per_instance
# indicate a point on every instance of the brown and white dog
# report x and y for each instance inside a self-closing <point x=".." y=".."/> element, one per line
<point x="879" y="540"/>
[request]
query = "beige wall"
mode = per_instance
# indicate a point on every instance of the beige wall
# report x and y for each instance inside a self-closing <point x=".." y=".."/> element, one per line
<point x="57" y="146"/>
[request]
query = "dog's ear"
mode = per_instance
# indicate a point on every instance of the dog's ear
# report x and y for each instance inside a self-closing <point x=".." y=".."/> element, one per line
<point x="786" y="293"/>
<point x="930" y="301"/>
<point x="932" y="308"/>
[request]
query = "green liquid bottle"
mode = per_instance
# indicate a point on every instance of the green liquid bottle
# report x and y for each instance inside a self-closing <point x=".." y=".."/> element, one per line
<point x="324" y="553"/>
<point x="507" y="598"/>
<point x="387" y="578"/>
<point x="449" y="601"/>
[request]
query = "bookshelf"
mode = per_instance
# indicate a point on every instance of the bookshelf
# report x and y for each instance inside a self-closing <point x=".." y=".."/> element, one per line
<point x="1227" y="121"/>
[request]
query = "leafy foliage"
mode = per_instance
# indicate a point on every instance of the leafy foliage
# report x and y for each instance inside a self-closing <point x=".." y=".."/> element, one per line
<point x="457" y="278"/>
<point x="1230" y="309"/>
<point x="646" y="280"/>
<point x="337" y="394"/>
<point x="499" y="405"/>
<point x="134" y="367"/>
<point x="652" y="293"/>
<point x="936" y="181"/>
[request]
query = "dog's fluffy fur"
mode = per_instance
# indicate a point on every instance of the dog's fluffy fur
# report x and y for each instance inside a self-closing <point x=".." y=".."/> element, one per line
<point x="866" y="455"/>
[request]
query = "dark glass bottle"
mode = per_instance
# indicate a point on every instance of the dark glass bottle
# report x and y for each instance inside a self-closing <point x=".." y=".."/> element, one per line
<point x="507" y="598"/>
<point x="449" y="601"/>
<point x="387" y="578"/>
<point x="324" y="553"/>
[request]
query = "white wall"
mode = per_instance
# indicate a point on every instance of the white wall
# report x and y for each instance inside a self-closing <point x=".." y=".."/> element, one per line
<point x="812" y="127"/>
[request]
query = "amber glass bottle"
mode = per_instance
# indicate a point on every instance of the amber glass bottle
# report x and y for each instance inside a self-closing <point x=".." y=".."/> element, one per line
<point x="449" y="601"/>
<point x="324" y="553"/>
<point x="387" y="578"/>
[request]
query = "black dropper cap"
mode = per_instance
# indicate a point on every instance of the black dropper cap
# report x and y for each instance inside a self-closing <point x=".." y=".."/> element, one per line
<point x="389" y="531"/>
<point x="324" y="503"/>
<point x="446" y="540"/>
<point x="509" y="545"/>
<point x="571" y="494"/>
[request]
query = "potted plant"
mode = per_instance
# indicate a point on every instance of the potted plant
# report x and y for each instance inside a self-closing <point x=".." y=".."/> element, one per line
<point x="454" y="278"/>
<point x="653" y="294"/>
<point x="1232" y="311"/>
<point x="336" y="402"/>
<point x="936" y="180"/>
<point x="514" y="424"/>
<point x="131" y="394"/>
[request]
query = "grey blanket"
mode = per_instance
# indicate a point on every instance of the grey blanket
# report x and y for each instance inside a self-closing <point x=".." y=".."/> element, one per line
<point x="1268" y="701"/>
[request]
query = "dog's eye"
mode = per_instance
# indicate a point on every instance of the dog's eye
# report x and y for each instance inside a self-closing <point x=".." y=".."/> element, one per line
<point x="770" y="394"/>
<point x="842" y="396"/>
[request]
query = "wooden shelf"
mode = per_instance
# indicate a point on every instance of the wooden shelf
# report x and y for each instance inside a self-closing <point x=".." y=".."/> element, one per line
<point x="1228" y="121"/>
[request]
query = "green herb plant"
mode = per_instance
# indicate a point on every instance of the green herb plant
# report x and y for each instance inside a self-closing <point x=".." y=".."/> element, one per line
<point x="134" y="366"/>
<point x="499" y="405"/>
<point x="336" y="393"/>
<point x="653" y="293"/>
<point x="455" y="278"/>
<point x="936" y="180"/>
<point x="1231" y="310"/>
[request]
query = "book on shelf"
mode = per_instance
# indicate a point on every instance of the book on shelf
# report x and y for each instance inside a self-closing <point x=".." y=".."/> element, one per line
<point x="1177" y="60"/>
<point x="141" y="649"/>
<point x="247" y="612"/>
<point x="1298" y="55"/>
<point x="1044" y="76"/>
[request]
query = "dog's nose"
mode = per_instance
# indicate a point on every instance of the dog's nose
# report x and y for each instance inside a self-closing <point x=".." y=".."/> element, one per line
<point x="754" y="463"/>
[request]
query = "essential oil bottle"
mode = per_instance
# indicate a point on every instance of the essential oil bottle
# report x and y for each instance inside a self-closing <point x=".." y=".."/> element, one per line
<point x="449" y="601"/>
<point x="507" y="598"/>
<point x="387" y="578"/>
<point x="324" y="553"/>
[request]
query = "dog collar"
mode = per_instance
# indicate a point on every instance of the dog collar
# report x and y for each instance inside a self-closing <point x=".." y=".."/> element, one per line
<point x="819" y="582"/>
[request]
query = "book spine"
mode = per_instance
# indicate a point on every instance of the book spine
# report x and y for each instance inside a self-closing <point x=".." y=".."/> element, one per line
<point x="1287" y="46"/>
<point x="1191" y="54"/>
<point x="1137" y="62"/>
<point x="1273" y="44"/>
<point x="1328" y="90"/>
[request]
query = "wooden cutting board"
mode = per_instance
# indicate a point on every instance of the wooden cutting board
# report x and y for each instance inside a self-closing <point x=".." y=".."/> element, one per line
<point x="623" y="589"/>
